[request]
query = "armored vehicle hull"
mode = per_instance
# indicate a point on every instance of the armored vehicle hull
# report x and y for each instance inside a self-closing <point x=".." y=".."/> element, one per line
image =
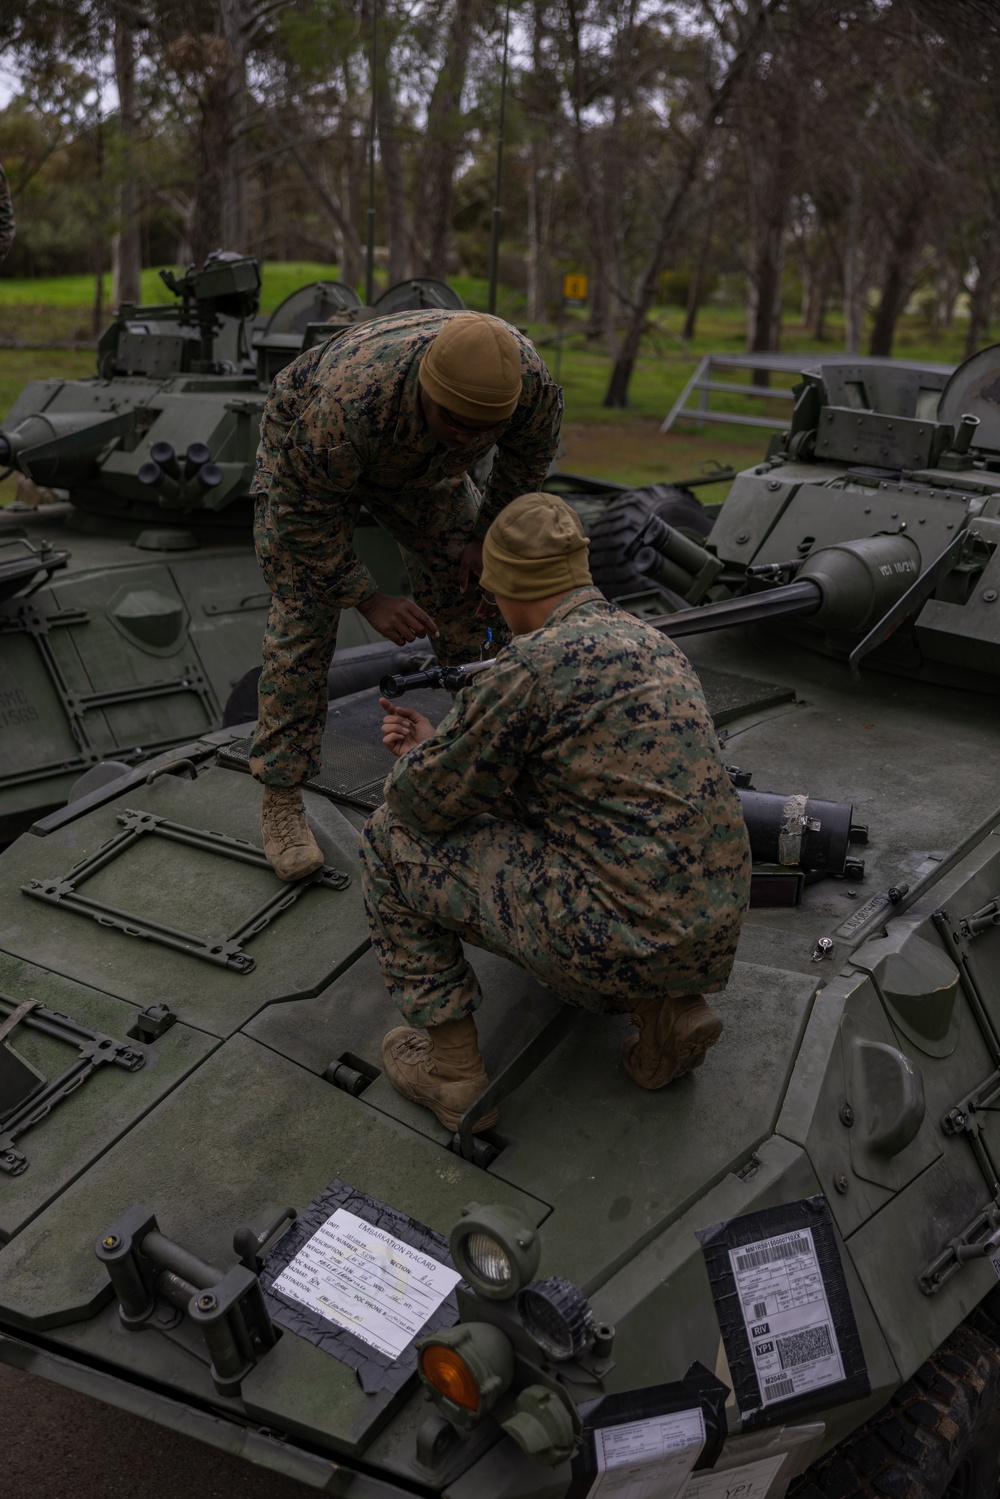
<point x="776" y="1272"/>
<point x="129" y="613"/>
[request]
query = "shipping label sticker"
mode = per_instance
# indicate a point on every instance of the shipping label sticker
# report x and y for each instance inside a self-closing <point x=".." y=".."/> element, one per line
<point x="648" y="1459"/>
<point x="787" y="1315"/>
<point x="365" y="1280"/>
<point x="748" y="1481"/>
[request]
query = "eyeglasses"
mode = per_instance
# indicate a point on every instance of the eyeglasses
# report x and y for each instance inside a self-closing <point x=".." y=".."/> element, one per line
<point x="487" y="596"/>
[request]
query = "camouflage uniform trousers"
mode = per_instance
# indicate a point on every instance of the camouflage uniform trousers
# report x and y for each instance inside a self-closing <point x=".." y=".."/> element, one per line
<point x="431" y="527"/>
<point x="496" y="885"/>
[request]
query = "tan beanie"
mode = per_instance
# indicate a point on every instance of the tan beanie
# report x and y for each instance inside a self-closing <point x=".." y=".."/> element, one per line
<point x="535" y="548"/>
<point x="473" y="368"/>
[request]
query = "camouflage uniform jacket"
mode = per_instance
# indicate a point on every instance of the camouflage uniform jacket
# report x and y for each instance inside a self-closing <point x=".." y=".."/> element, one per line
<point x="345" y="418"/>
<point x="6" y="215"/>
<point x="595" y="730"/>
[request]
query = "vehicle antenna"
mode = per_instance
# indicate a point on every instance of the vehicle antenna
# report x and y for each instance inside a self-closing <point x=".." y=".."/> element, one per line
<point x="495" y="228"/>
<point x="370" y="249"/>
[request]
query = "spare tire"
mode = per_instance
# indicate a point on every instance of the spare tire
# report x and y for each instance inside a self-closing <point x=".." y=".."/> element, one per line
<point x="622" y="520"/>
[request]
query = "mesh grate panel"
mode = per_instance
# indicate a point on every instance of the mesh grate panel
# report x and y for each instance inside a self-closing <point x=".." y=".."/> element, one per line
<point x="355" y="764"/>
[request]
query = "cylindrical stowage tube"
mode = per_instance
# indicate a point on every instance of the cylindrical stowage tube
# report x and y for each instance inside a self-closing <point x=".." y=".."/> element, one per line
<point x="795" y="829"/>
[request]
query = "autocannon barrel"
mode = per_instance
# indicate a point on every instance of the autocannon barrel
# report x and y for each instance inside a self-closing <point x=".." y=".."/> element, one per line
<point x="848" y="586"/>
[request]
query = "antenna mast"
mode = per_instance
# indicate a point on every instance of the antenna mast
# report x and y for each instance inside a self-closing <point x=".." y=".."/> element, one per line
<point x="495" y="226"/>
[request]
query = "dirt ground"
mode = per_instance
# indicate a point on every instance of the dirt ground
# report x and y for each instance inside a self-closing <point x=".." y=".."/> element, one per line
<point x="60" y="1445"/>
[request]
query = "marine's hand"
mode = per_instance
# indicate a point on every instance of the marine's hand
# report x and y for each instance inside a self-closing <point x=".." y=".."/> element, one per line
<point x="471" y="564"/>
<point x="402" y="728"/>
<point x="399" y="620"/>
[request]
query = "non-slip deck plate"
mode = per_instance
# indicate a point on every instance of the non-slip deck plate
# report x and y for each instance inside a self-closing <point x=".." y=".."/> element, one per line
<point x="355" y="763"/>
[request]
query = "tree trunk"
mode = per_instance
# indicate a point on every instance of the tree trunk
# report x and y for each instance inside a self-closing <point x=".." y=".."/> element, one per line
<point x="350" y="243"/>
<point x="628" y="353"/>
<point x="127" y="251"/>
<point x="981" y="297"/>
<point x="234" y="23"/>
<point x="700" y="269"/>
<point x="443" y="140"/>
<point x="397" y="225"/>
<point x="854" y="285"/>
<point x="896" y="286"/>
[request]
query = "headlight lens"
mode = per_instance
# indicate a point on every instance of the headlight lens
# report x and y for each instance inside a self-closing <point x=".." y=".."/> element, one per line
<point x="495" y="1249"/>
<point x="450" y="1375"/>
<point x="488" y="1259"/>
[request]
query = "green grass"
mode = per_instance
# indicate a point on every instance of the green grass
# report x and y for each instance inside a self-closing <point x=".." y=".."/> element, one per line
<point x="624" y="445"/>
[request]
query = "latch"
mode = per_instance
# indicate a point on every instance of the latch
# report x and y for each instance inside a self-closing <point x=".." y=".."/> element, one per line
<point x="977" y="1240"/>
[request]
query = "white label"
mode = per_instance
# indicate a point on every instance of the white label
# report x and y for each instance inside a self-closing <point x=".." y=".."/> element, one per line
<point x="647" y="1459"/>
<point x="787" y="1315"/>
<point x="748" y="1481"/>
<point x="357" y="1275"/>
<point x="994" y="1260"/>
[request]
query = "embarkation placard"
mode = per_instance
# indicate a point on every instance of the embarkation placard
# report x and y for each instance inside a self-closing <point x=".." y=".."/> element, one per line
<point x="365" y="1280"/>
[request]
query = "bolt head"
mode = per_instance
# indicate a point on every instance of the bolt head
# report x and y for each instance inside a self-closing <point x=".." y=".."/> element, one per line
<point x="207" y="1302"/>
<point x="846" y="1115"/>
<point x="840" y="1182"/>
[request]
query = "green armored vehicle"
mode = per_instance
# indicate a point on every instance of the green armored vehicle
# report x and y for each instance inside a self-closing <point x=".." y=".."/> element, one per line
<point x="129" y="612"/>
<point x="776" y="1275"/>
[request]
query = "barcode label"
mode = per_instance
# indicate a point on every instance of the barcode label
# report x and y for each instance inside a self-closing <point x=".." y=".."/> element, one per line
<point x="787" y="1315"/>
<point x="801" y="1347"/>
<point x="789" y="1250"/>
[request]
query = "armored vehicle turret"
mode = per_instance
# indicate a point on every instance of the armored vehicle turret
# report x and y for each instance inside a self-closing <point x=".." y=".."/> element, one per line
<point x="775" y="1276"/>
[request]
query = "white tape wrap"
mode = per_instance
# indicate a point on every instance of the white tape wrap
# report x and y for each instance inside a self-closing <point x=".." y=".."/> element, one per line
<point x="793" y="824"/>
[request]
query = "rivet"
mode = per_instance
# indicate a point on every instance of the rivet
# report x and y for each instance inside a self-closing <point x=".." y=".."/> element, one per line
<point x="840" y="1182"/>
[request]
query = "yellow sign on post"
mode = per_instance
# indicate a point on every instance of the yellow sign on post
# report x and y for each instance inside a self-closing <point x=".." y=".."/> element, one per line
<point x="574" y="290"/>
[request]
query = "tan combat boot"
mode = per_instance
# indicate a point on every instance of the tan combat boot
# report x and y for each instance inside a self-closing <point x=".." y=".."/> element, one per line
<point x="674" y="1037"/>
<point x="440" y="1068"/>
<point x="291" y="849"/>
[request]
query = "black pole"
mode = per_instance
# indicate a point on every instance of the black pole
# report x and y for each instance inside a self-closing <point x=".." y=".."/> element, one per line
<point x="495" y="226"/>
<point x="370" y="251"/>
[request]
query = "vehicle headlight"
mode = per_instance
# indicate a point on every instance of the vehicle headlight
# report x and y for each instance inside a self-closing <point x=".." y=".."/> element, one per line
<point x="496" y="1250"/>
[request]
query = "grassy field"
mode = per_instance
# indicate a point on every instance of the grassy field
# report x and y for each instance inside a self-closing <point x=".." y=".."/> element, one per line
<point x="624" y="445"/>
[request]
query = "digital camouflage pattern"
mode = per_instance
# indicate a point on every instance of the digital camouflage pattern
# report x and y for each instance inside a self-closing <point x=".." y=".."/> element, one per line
<point x="6" y="215"/>
<point x="342" y="428"/>
<point x="614" y="863"/>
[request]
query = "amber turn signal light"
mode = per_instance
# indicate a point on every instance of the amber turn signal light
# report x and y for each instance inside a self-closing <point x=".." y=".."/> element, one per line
<point x="449" y="1374"/>
<point x="466" y="1368"/>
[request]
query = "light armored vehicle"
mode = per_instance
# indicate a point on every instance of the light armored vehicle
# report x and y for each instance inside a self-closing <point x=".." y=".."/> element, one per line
<point x="775" y="1275"/>
<point x="129" y="612"/>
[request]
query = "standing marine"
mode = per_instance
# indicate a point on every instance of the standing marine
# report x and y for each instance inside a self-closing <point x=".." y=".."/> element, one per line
<point x="6" y="216"/>
<point x="571" y="813"/>
<point x="391" y="416"/>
